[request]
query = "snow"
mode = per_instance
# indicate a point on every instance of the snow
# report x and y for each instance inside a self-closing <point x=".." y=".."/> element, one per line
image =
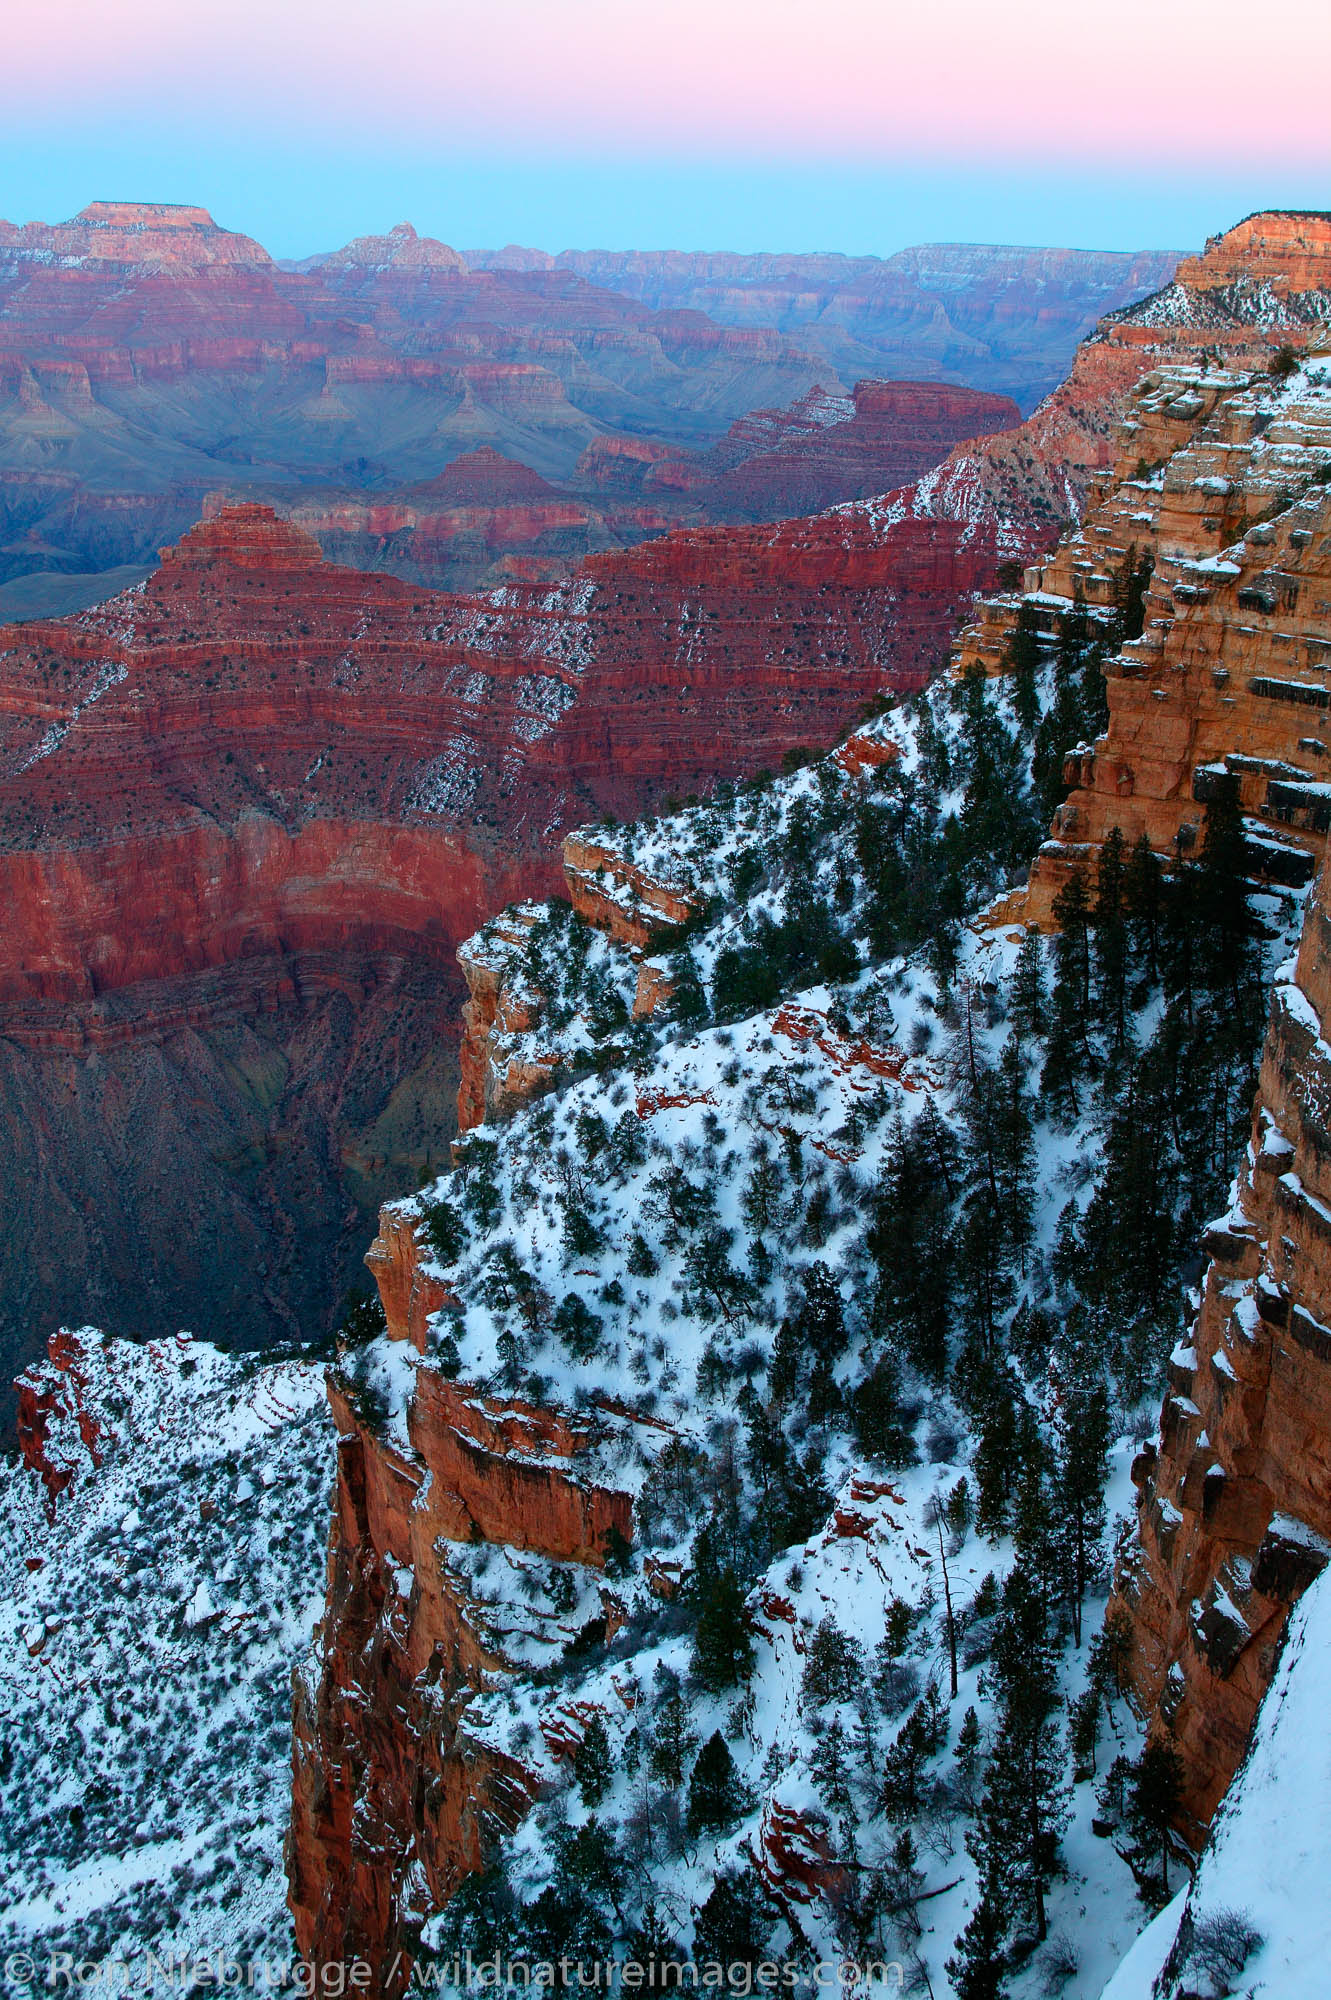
<point x="174" y="1585"/>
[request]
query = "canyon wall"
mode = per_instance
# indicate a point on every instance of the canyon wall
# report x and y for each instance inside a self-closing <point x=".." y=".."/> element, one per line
<point x="1234" y="1496"/>
<point x="249" y="810"/>
<point x="1229" y="674"/>
<point x="1000" y="318"/>
<point x="395" y="1801"/>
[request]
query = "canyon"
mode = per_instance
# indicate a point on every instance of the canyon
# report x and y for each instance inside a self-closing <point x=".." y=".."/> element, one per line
<point x="254" y="810"/>
<point x="997" y="317"/>
<point x="249" y="809"/>
<point x="1215" y="466"/>
<point x="150" y="359"/>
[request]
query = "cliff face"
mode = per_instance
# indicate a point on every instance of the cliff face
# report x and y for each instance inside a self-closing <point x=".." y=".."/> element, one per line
<point x="1026" y="483"/>
<point x="1220" y="483"/>
<point x="394" y="1800"/>
<point x="148" y="356"/>
<point x="1234" y="1506"/>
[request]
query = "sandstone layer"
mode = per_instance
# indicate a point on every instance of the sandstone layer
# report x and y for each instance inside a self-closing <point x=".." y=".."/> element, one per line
<point x="1221" y="486"/>
<point x="395" y="1801"/>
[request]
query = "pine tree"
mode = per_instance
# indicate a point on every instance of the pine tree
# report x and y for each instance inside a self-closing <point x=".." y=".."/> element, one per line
<point x="592" y="1765"/>
<point x="967" y="1751"/>
<point x="1023" y="660"/>
<point x="723" y="1650"/>
<point x="672" y="1740"/>
<point x="978" y="1965"/>
<point x="1110" y="930"/>
<point x="829" y="1762"/>
<point x="833" y="1666"/>
<point x="1015" y="1838"/>
<point x="1143" y="903"/>
<point x="731" y="1930"/>
<point x="716" y="1797"/>
<point x="1156" y="1786"/>
<point x="1029" y="1002"/>
<point x="1015" y="1151"/>
<point x="1081" y="1445"/>
<point x="1068" y="1054"/>
<point x="880" y="1430"/>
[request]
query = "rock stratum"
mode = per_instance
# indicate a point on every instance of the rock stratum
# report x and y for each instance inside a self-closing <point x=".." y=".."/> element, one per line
<point x="1234" y="1509"/>
<point x="149" y="358"/>
<point x="995" y="316"/>
<point x="1215" y="467"/>
<point x="249" y="809"/>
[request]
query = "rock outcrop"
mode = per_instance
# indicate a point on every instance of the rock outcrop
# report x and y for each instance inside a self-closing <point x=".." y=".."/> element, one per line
<point x="1220" y="488"/>
<point x="1257" y="288"/>
<point x="1234" y="1497"/>
<point x="395" y="1799"/>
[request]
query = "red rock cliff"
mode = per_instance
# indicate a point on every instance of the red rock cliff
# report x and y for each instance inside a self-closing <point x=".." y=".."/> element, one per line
<point x="394" y="1801"/>
<point x="1234" y="1497"/>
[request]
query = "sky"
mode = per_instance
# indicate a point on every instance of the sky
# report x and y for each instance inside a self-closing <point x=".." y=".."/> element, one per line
<point x="856" y="125"/>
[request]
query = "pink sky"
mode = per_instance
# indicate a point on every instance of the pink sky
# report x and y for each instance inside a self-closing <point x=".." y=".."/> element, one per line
<point x="1137" y="82"/>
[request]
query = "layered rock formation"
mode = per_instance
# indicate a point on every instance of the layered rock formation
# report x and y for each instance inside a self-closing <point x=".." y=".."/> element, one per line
<point x="1234" y="1507"/>
<point x="1000" y="318"/>
<point x="1221" y="486"/>
<point x="488" y="518"/>
<point x="148" y="356"/>
<point x="822" y="450"/>
<point x="1255" y="289"/>
<point x="395" y="1800"/>
<point x="249" y="810"/>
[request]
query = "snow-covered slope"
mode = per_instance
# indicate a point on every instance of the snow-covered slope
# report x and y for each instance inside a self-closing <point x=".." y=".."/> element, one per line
<point x="149" y="1616"/>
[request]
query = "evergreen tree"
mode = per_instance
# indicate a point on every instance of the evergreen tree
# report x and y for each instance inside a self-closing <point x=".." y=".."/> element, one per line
<point x="880" y="1428"/>
<point x="723" y="1650"/>
<point x="910" y="1240"/>
<point x="1023" y="661"/>
<point x="1014" y="1149"/>
<point x="1110" y="929"/>
<point x="1029" y="1000"/>
<point x="672" y="1741"/>
<point x="1015" y="1838"/>
<point x="592" y="1766"/>
<point x="1143" y="903"/>
<point x="1068" y="1053"/>
<point x="1081" y="1445"/>
<point x="833" y="1666"/>
<point x="978" y="1965"/>
<point x="731" y="1931"/>
<point x="716" y="1797"/>
<point x="1156" y="1786"/>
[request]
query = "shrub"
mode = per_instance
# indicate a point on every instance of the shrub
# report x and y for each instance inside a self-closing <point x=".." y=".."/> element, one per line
<point x="1222" y="1944"/>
